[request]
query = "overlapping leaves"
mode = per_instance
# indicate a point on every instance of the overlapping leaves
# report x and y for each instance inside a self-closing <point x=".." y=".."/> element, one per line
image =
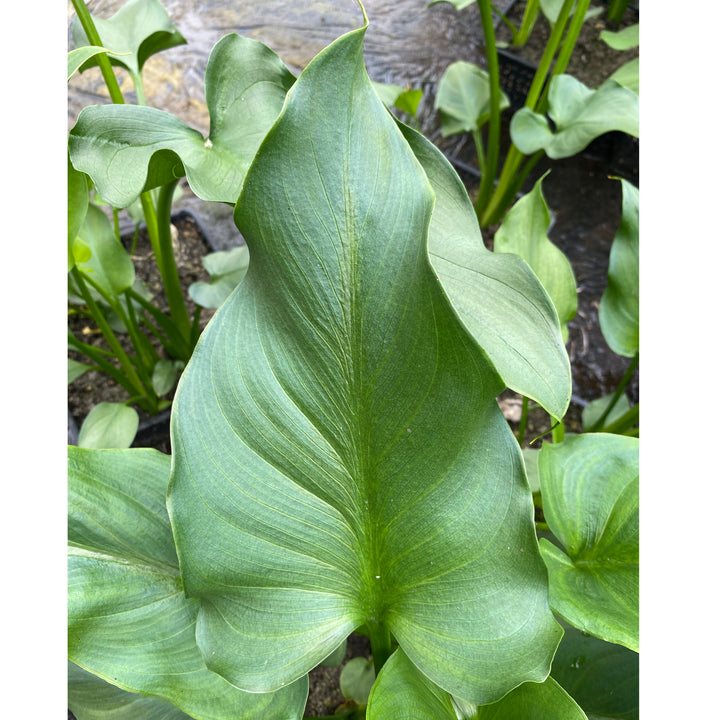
<point x="339" y="457"/>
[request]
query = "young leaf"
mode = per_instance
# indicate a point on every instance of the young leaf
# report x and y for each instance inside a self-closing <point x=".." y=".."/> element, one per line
<point x="593" y="410"/>
<point x="109" y="425"/>
<point x="77" y="207"/>
<point x="624" y="39"/>
<point x="619" y="312"/>
<point x="139" y="29"/>
<point x="336" y="436"/>
<point x="628" y="75"/>
<point x="76" y="369"/>
<point x="164" y="375"/>
<point x="497" y="296"/>
<point x="402" y="692"/>
<point x="463" y="98"/>
<point x="356" y="680"/>
<point x="129" y="620"/>
<point x="590" y="499"/>
<point x="109" y="264"/>
<point x="128" y="148"/>
<point x="226" y="268"/>
<point x="580" y="115"/>
<point x="80" y="55"/>
<point x="603" y="678"/>
<point x="524" y="233"/>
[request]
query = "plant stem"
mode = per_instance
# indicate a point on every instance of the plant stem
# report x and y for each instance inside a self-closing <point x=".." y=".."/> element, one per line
<point x="558" y="432"/>
<point x="113" y="342"/>
<point x="595" y="427"/>
<point x="617" y="10"/>
<point x="528" y="22"/>
<point x="523" y="421"/>
<point x="94" y="38"/>
<point x="493" y="152"/>
<point x="624" y="422"/>
<point x="166" y="263"/>
<point x="380" y="643"/>
<point x="493" y="210"/>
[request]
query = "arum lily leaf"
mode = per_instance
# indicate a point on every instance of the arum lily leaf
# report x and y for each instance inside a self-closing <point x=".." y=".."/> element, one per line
<point x="109" y="265"/>
<point x="524" y="233"/>
<point x="80" y="55"/>
<point x="226" y="268"/>
<point x="590" y="499"/>
<point x="356" y="680"/>
<point x="580" y="115"/>
<point x="551" y="10"/>
<point x="77" y="208"/>
<point x="619" y="312"/>
<point x="459" y="4"/>
<point x="128" y="148"/>
<point x="109" y="425"/>
<point x="463" y="98"/>
<point x="593" y="411"/>
<point x="138" y="30"/>
<point x="497" y="296"/>
<point x="628" y="75"/>
<point x="336" y="435"/>
<point x="91" y="698"/>
<point x="624" y="39"/>
<point x="394" y="95"/>
<point x="129" y="620"/>
<point x="603" y="678"/>
<point x="402" y="692"/>
<point x="164" y="375"/>
<point x="76" y="369"/>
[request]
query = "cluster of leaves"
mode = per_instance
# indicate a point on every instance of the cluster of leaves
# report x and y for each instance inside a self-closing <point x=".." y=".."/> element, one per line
<point x="340" y="463"/>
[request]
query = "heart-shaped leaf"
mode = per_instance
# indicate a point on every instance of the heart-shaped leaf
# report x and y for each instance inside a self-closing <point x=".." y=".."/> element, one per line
<point x="590" y="499"/>
<point x="497" y="296"/>
<point x="463" y="98"/>
<point x="139" y="29"/>
<point x="619" y="312"/>
<point x="402" y="692"/>
<point x="603" y="678"/>
<point x="524" y="233"/>
<point x="126" y="149"/>
<point x="109" y="425"/>
<point x="339" y="456"/>
<point x="129" y="620"/>
<point x="226" y="268"/>
<point x="580" y="115"/>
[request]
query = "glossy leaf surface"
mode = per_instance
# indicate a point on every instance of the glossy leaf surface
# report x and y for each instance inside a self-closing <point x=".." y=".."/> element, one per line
<point x="579" y="114"/>
<point x="602" y="677"/>
<point x="129" y="620"/>
<point x="524" y="233"/>
<point x="590" y="499"/>
<point x="619" y="312"/>
<point x="139" y="29"/>
<point x="497" y="296"/>
<point x="339" y="456"/>
<point x="128" y="148"/>
<point x="402" y="692"/>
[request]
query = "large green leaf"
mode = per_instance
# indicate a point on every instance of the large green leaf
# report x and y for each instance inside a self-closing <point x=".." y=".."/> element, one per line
<point x="497" y="296"/>
<point x="339" y="456"/>
<point x="579" y="115"/>
<point x="524" y="233"/>
<point x="91" y="698"/>
<point x="619" y="312"/>
<point x="128" y="148"/>
<point x="602" y="677"/>
<point x="129" y="620"/>
<point x="109" y="265"/>
<point x="590" y="494"/>
<point x="463" y="98"/>
<point x="402" y="692"/>
<point x="139" y="29"/>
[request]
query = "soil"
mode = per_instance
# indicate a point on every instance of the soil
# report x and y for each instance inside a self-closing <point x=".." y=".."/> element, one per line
<point x="586" y="208"/>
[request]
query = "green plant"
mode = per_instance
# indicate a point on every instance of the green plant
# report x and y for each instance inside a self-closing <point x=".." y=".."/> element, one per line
<point x="578" y="114"/>
<point x="339" y="459"/>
